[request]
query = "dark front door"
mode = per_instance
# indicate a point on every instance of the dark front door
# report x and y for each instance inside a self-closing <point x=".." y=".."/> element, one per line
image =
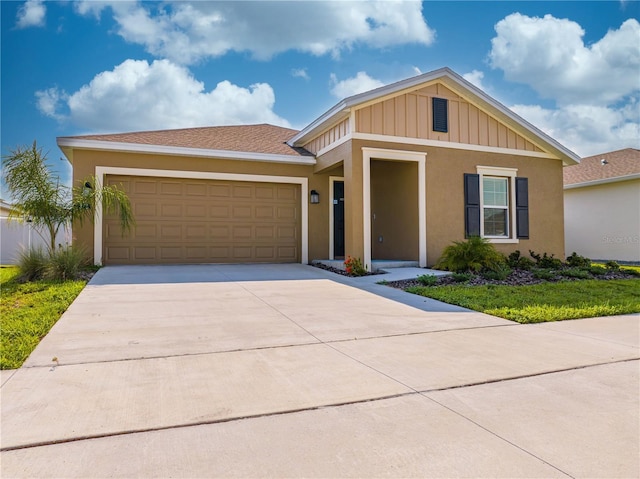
<point x="338" y="219"/>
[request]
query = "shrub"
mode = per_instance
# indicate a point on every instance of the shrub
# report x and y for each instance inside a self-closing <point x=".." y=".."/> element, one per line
<point x="630" y="271"/>
<point x="575" y="273"/>
<point x="66" y="263"/>
<point x="427" y="279"/>
<point x="472" y="255"/>
<point x="461" y="277"/>
<point x="597" y="270"/>
<point x="499" y="272"/>
<point x="32" y="264"/>
<point x="612" y="266"/>
<point x="545" y="261"/>
<point x="354" y="266"/>
<point x="577" y="261"/>
<point x="546" y="274"/>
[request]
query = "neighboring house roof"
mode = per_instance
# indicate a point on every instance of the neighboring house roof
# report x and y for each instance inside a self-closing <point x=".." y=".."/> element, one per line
<point x="604" y="168"/>
<point x="5" y="207"/>
<point x="263" y="139"/>
<point x="456" y="83"/>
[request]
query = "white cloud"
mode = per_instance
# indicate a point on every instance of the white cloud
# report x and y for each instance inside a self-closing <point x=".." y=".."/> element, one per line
<point x="352" y="86"/>
<point x="187" y="32"/>
<point x="549" y="54"/>
<point x="300" y="73"/>
<point x="31" y="14"/>
<point x="587" y="129"/>
<point x="136" y="95"/>
<point x="475" y="78"/>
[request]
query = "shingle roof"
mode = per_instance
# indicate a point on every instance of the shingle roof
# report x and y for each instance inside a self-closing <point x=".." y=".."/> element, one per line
<point x="618" y="163"/>
<point x="263" y="138"/>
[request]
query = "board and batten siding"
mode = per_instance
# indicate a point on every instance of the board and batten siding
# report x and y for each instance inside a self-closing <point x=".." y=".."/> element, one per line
<point x="330" y="136"/>
<point x="409" y="115"/>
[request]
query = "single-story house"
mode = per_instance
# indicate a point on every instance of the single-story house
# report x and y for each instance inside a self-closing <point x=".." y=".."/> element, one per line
<point x="395" y="173"/>
<point x="602" y="206"/>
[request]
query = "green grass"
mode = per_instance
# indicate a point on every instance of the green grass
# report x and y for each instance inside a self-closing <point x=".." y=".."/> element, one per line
<point x="543" y="302"/>
<point x="27" y="313"/>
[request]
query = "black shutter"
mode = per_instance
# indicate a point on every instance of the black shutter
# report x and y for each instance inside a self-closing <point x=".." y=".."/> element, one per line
<point x="440" y="115"/>
<point x="522" y="208"/>
<point x="471" y="205"/>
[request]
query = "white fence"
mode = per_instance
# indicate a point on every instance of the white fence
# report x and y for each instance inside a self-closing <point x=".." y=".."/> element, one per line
<point x="16" y="236"/>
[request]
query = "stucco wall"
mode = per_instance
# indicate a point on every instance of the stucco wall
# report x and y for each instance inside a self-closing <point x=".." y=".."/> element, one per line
<point x="603" y="221"/>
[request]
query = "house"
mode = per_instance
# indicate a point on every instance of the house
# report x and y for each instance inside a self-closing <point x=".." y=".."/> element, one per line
<point x="602" y="206"/>
<point x="395" y="173"/>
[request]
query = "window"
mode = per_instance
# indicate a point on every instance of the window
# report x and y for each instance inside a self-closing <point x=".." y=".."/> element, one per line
<point x="440" y="115"/>
<point x="496" y="204"/>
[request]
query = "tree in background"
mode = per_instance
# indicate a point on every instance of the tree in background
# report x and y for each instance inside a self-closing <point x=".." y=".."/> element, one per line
<point x="38" y="195"/>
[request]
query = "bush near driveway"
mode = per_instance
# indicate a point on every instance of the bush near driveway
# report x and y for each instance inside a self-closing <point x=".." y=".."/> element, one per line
<point x="28" y="311"/>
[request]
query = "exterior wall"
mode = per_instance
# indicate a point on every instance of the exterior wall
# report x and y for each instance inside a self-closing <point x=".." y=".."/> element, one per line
<point x="410" y="115"/>
<point x="85" y="162"/>
<point x="328" y="137"/>
<point x="333" y="158"/>
<point x="445" y="198"/>
<point x="603" y="221"/>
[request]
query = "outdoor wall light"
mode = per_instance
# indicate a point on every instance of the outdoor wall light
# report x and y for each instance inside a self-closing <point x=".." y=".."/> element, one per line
<point x="314" y="197"/>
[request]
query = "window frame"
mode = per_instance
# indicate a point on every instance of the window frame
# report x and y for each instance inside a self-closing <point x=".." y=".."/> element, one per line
<point x="510" y="175"/>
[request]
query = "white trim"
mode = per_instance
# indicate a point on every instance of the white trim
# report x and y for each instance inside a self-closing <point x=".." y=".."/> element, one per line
<point x="603" y="181"/>
<point x="332" y="180"/>
<point x="101" y="171"/>
<point x="511" y="174"/>
<point x="182" y="151"/>
<point x="333" y="145"/>
<point x="395" y="155"/>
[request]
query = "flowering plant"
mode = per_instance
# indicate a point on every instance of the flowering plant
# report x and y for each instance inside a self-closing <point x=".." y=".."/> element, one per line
<point x="354" y="267"/>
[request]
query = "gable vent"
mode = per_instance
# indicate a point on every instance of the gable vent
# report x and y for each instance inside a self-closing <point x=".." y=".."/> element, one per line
<point x="440" y="115"/>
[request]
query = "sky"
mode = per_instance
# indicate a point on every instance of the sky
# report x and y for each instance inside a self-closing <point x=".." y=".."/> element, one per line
<point x="79" y="67"/>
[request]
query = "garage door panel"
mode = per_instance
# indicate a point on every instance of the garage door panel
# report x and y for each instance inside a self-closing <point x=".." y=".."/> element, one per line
<point x="202" y="221"/>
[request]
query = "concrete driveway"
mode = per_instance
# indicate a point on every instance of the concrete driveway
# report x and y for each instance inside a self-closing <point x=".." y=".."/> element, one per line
<point x="291" y="371"/>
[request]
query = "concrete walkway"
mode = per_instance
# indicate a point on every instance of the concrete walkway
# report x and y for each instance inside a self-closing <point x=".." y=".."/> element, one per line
<point x="290" y="371"/>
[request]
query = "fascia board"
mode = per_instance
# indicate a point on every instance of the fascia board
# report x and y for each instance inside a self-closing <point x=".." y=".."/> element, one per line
<point x="66" y="144"/>
<point x="603" y="181"/>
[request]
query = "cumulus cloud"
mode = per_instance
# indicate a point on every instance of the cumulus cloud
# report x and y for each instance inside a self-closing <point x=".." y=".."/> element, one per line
<point x="187" y="32"/>
<point x="587" y="129"/>
<point x="136" y="95"/>
<point x="352" y="86"/>
<point x="300" y="73"/>
<point x="475" y="78"/>
<point x="549" y="54"/>
<point x="31" y="14"/>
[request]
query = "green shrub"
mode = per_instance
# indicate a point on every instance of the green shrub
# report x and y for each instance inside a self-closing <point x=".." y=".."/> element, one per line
<point x="577" y="261"/>
<point x="427" y="279"/>
<point x="499" y="272"/>
<point x="546" y="274"/>
<point x="545" y="261"/>
<point x="474" y="254"/>
<point x="630" y="271"/>
<point x="575" y="273"/>
<point x="597" y="270"/>
<point x="32" y="264"/>
<point x="66" y="263"/>
<point x="612" y="265"/>
<point x="461" y="277"/>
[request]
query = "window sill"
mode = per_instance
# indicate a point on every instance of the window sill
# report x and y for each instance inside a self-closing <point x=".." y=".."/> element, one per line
<point x="502" y="240"/>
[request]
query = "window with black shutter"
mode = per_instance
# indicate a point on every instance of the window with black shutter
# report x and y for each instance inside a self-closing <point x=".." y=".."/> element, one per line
<point x="522" y="208"/>
<point x="471" y="205"/>
<point x="440" y="115"/>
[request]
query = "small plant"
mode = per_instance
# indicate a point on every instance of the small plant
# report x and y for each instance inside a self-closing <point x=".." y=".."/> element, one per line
<point x="575" y="273"/>
<point x="472" y="255"/>
<point x="32" y="264"/>
<point x="427" y="279"/>
<point x="546" y="274"/>
<point x="354" y="267"/>
<point x="612" y="266"/>
<point x="597" y="270"/>
<point x="461" y="277"/>
<point x="546" y="261"/>
<point x="577" y="261"/>
<point x="499" y="272"/>
<point x="66" y="263"/>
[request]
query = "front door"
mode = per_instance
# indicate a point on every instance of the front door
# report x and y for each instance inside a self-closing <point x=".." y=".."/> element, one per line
<point x="338" y="219"/>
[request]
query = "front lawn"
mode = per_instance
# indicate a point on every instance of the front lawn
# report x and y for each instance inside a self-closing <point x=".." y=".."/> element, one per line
<point x="542" y="302"/>
<point x="27" y="313"/>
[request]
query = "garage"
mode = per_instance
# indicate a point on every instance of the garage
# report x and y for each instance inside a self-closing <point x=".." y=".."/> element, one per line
<point x="183" y="220"/>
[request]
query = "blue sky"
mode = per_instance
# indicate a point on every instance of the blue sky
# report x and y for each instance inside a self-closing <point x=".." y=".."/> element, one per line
<point x="70" y="68"/>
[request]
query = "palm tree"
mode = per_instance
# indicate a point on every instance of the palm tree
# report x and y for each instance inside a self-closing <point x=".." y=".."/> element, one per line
<point x="38" y="195"/>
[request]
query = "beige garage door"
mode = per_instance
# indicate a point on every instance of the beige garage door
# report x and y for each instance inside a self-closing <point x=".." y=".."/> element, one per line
<point x="205" y="221"/>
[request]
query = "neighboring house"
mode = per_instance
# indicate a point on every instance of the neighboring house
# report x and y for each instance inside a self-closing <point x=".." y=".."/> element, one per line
<point x="602" y="206"/>
<point x="396" y="173"/>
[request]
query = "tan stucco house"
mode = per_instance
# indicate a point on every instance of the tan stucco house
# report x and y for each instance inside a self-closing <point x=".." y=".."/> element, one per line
<point x="602" y="206"/>
<point x="395" y="173"/>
